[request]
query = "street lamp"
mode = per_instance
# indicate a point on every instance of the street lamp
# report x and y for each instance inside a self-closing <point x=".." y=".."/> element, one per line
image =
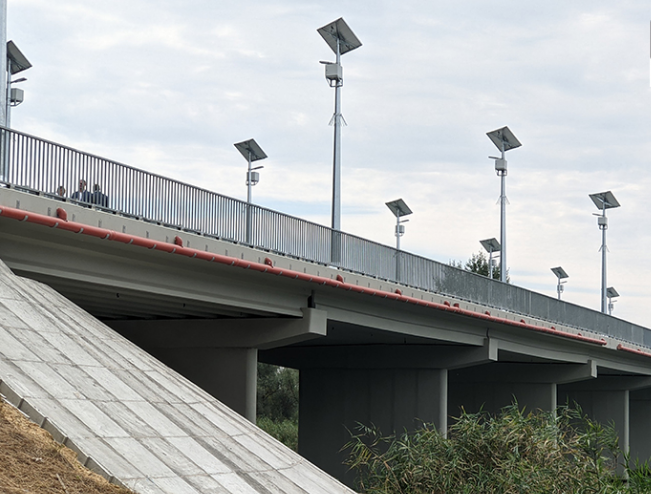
<point x="400" y="209"/>
<point x="561" y="275"/>
<point x="341" y="40"/>
<point x="504" y="140"/>
<point x="611" y="293"/>
<point x="16" y="63"/>
<point x="603" y="201"/>
<point x="251" y="152"/>
<point x="490" y="245"/>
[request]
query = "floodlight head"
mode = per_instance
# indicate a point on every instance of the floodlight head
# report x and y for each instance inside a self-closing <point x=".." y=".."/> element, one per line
<point x="490" y="245"/>
<point x="611" y="292"/>
<point x="504" y="139"/>
<point x="604" y="200"/>
<point x="560" y="273"/>
<point x="250" y="150"/>
<point x="17" y="61"/>
<point x="399" y="208"/>
<point x="339" y="31"/>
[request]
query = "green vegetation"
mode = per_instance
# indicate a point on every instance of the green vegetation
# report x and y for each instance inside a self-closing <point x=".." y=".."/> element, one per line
<point x="513" y="452"/>
<point x="277" y="403"/>
<point x="478" y="263"/>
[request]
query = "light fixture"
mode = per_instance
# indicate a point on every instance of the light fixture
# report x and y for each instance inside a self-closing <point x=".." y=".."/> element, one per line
<point x="251" y="152"/>
<point x="16" y="63"/>
<point x="399" y="209"/>
<point x="490" y="245"/>
<point x="341" y="39"/>
<point x="603" y="201"/>
<point x="504" y="140"/>
<point x="561" y="275"/>
<point x="611" y="293"/>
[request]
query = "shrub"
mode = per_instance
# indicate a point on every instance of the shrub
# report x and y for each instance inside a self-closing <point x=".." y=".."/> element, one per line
<point x="513" y="452"/>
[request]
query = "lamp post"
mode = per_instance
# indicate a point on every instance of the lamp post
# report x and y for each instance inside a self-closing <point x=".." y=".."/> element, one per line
<point x="251" y="152"/>
<point x="561" y="275"/>
<point x="16" y="63"/>
<point x="611" y="293"/>
<point x="399" y="209"/>
<point x="341" y="40"/>
<point x="504" y="140"/>
<point x="603" y="201"/>
<point x="490" y="245"/>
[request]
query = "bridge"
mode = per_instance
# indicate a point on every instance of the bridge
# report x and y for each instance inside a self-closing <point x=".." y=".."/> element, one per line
<point x="211" y="285"/>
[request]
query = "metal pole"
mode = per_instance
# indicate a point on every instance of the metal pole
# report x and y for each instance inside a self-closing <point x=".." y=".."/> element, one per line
<point x="558" y="288"/>
<point x="490" y="262"/>
<point x="398" y="246"/>
<point x="3" y="56"/>
<point x="5" y="77"/>
<point x="248" y="181"/>
<point x="336" y="165"/>
<point x="398" y="230"/>
<point x="603" y="224"/>
<point x="248" y="202"/>
<point x="503" y="222"/>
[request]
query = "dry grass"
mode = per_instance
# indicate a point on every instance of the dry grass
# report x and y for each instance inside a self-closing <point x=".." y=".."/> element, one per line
<point x="31" y="462"/>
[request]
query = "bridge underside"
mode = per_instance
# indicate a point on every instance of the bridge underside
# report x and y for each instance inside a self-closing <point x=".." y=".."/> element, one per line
<point x="362" y="358"/>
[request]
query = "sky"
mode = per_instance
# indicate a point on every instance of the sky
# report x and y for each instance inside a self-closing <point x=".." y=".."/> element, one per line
<point x="170" y="86"/>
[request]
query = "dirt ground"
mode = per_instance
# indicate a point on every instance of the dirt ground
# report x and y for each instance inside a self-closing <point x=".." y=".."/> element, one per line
<point x="31" y="462"/>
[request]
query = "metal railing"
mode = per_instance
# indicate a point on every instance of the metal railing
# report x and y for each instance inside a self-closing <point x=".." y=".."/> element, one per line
<point x="46" y="167"/>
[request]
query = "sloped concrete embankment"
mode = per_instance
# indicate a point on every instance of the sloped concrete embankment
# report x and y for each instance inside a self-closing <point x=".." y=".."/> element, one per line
<point x="128" y="416"/>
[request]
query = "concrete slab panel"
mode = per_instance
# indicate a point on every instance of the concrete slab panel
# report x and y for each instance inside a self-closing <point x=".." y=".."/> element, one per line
<point x="96" y="420"/>
<point x="47" y="377"/>
<point x="154" y="418"/>
<point x="175" y="388"/>
<point x="234" y="483"/>
<point x="125" y="418"/>
<point x="38" y="345"/>
<point x="133" y="450"/>
<point x="61" y="418"/>
<point x="111" y="383"/>
<point x="175" y="485"/>
<point x="206" y="484"/>
<point x="208" y="463"/>
<point x="118" y="465"/>
<point x="169" y="454"/>
<point x="13" y="349"/>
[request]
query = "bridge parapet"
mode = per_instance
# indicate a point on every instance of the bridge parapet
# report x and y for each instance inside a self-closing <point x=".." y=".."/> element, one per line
<point x="42" y="167"/>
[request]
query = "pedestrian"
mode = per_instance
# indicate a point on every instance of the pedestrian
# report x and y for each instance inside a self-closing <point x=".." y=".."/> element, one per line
<point x="99" y="197"/>
<point x="82" y="194"/>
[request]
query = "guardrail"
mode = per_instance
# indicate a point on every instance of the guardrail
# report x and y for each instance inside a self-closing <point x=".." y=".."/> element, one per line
<point x="56" y="170"/>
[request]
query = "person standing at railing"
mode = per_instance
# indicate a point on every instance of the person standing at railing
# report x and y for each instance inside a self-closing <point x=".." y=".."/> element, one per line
<point x="99" y="197"/>
<point x="61" y="191"/>
<point x="82" y="194"/>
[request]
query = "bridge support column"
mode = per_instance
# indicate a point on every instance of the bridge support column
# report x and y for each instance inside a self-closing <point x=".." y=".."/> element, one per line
<point x="640" y="425"/>
<point x="334" y="400"/>
<point x="604" y="406"/>
<point x="228" y="374"/>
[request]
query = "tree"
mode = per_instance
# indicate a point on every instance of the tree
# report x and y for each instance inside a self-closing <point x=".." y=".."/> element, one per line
<point x="478" y="263"/>
<point x="277" y="403"/>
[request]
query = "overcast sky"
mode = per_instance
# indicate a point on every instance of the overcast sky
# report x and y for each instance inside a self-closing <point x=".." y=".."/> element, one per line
<point x="169" y="86"/>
